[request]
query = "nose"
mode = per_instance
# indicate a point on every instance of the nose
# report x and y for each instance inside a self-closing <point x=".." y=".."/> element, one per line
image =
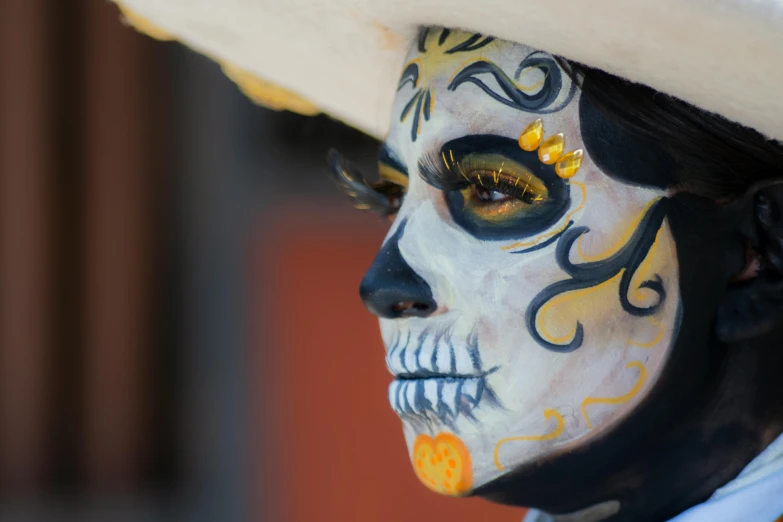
<point x="391" y="289"/>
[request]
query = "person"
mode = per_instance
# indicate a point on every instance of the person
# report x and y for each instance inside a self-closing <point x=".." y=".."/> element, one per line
<point x="581" y="291"/>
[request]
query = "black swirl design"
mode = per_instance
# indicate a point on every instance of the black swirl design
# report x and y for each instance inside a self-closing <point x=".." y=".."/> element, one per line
<point x="591" y="274"/>
<point x="539" y="102"/>
<point x="420" y="103"/>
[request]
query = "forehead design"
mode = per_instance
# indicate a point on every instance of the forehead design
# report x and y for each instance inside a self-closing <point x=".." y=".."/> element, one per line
<point x="459" y="56"/>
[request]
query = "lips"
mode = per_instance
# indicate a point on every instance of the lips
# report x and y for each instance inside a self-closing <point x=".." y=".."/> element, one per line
<point x="436" y="375"/>
<point x="445" y="397"/>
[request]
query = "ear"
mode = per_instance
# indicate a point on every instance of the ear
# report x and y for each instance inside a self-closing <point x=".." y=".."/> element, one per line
<point x="753" y="306"/>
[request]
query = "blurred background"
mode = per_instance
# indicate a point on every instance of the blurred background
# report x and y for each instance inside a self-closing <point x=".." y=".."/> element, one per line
<point x="181" y="337"/>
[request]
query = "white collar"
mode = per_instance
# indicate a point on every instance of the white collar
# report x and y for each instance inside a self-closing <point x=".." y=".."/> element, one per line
<point x="768" y="462"/>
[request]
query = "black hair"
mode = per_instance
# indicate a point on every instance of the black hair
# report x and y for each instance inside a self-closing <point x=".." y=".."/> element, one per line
<point x="642" y="135"/>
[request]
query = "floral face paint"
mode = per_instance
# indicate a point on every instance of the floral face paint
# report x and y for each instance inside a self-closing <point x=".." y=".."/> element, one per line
<point x="528" y="299"/>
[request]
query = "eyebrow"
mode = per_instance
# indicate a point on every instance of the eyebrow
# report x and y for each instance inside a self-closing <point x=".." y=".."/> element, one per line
<point x="388" y="157"/>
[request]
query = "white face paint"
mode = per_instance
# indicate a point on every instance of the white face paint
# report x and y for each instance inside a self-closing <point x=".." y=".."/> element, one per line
<point x="529" y="353"/>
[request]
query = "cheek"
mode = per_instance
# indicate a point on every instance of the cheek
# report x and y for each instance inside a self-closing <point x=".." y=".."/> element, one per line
<point x="622" y="353"/>
<point x="504" y="293"/>
<point x="614" y="319"/>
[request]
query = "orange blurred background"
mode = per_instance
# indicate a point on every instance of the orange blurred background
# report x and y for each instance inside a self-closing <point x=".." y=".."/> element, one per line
<point x="335" y="448"/>
<point x="181" y="336"/>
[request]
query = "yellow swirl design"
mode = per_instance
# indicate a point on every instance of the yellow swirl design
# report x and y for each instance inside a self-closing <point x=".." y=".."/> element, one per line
<point x="549" y="413"/>
<point x="562" y="299"/>
<point x="621" y="399"/>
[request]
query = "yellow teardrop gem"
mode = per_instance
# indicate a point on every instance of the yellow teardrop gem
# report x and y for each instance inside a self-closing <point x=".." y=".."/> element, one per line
<point x="531" y="137"/>
<point x="568" y="165"/>
<point x="551" y="149"/>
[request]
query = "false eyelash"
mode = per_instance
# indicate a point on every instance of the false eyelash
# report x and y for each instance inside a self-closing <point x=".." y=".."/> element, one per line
<point x="435" y="169"/>
<point x="382" y="197"/>
<point x="448" y="174"/>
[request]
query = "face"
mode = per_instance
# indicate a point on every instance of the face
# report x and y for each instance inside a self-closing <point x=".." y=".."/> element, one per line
<point x="528" y="300"/>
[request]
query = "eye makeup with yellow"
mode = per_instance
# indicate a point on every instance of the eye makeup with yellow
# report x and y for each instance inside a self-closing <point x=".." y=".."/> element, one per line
<point x="499" y="187"/>
<point x="384" y="196"/>
<point x="494" y="189"/>
<point x="394" y="178"/>
<point x="386" y="173"/>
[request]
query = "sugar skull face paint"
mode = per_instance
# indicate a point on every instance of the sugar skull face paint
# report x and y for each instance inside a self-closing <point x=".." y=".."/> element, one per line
<point x="528" y="299"/>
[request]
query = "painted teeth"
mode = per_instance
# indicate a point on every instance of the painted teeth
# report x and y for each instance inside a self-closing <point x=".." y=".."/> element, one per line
<point x="449" y="396"/>
<point x="411" y="404"/>
<point x="410" y="355"/>
<point x="463" y="363"/>
<point x="435" y="353"/>
<point x="443" y="357"/>
<point x="430" y="391"/>
<point x="470" y="389"/>
<point x="440" y="396"/>
<point x="393" y="389"/>
<point x="427" y="351"/>
<point x="445" y="397"/>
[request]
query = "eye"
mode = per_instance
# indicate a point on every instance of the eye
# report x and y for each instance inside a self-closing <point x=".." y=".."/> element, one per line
<point x="384" y="197"/>
<point x="494" y="189"/>
<point x="394" y="194"/>
<point x="500" y="198"/>
<point x="393" y="185"/>
<point x="489" y="196"/>
<point x="499" y="185"/>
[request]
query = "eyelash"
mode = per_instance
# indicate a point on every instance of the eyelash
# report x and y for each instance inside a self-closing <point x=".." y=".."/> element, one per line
<point x="394" y="193"/>
<point x="382" y="197"/>
<point x="480" y="174"/>
<point x="477" y="173"/>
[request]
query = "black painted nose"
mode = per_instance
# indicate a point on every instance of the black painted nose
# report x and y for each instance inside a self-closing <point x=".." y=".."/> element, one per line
<point x="391" y="289"/>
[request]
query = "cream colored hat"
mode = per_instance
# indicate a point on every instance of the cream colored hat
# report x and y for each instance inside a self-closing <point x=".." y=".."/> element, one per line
<point x="343" y="57"/>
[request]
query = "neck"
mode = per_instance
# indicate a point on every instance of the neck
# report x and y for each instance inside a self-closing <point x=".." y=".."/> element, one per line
<point x="710" y="447"/>
<point x="660" y="476"/>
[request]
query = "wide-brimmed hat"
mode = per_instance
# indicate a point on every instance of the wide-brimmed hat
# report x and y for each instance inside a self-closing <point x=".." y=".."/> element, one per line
<point x="343" y="57"/>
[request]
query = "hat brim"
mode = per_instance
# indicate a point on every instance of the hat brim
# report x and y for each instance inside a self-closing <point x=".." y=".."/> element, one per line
<point x="344" y="56"/>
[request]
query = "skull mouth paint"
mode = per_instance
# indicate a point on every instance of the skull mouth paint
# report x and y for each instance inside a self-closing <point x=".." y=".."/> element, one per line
<point x="528" y="299"/>
<point x="436" y="377"/>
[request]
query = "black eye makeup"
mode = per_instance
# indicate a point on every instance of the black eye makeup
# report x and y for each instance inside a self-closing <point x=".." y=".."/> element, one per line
<point x="383" y="197"/>
<point x="494" y="189"/>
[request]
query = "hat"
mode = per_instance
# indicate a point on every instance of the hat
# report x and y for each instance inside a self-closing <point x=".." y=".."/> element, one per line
<point x="344" y="57"/>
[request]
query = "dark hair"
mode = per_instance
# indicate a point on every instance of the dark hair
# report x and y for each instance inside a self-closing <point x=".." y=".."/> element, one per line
<point x="704" y="153"/>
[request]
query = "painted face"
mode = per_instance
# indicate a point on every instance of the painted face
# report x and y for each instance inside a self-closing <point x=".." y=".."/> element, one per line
<point x="528" y="300"/>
